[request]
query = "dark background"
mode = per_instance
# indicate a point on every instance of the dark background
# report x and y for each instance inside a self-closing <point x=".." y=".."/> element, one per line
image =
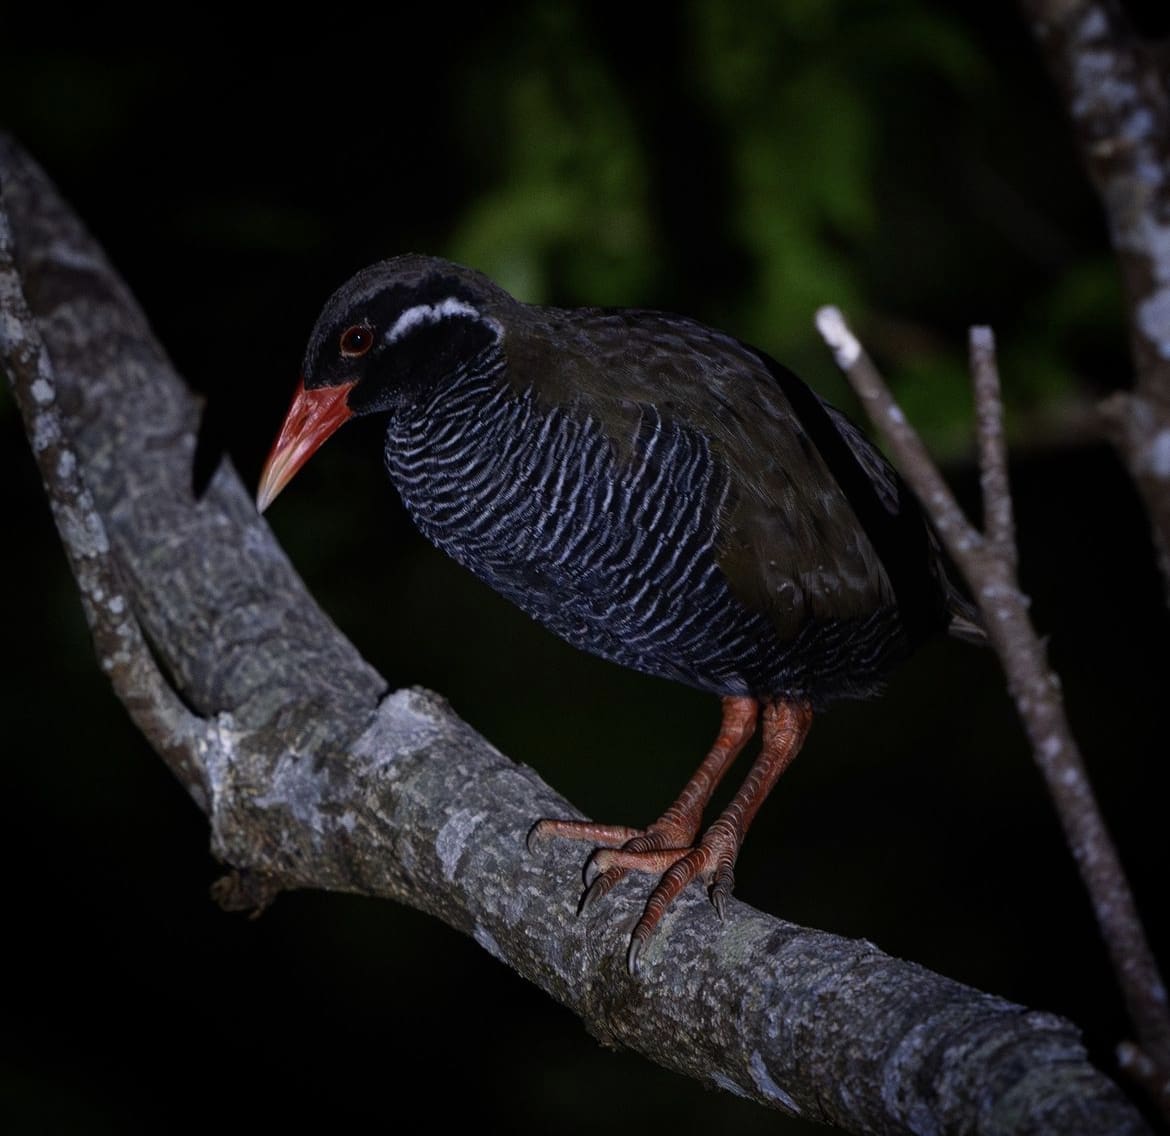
<point x="905" y="160"/>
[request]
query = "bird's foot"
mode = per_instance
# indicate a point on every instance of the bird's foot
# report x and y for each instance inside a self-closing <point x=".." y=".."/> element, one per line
<point x="667" y="848"/>
<point x="664" y="849"/>
<point x="660" y="843"/>
<point x="653" y="849"/>
<point x="711" y="860"/>
<point x="605" y="836"/>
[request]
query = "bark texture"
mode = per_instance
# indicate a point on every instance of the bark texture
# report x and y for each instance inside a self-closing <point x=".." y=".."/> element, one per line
<point x="312" y="774"/>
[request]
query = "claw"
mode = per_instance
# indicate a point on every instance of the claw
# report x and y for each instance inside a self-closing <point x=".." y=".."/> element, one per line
<point x="536" y="837"/>
<point x="600" y="886"/>
<point x="601" y="863"/>
<point x="721" y="890"/>
<point x="632" y="954"/>
<point x="592" y="870"/>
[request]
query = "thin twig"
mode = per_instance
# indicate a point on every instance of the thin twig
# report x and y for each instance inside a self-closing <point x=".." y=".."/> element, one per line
<point x="988" y="563"/>
<point x="962" y="538"/>
<point x="998" y="521"/>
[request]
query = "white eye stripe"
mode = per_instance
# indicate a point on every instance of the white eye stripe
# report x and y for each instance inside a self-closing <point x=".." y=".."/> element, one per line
<point x="429" y="313"/>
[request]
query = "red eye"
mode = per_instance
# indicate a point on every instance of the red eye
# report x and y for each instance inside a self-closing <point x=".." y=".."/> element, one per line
<point x="356" y="341"/>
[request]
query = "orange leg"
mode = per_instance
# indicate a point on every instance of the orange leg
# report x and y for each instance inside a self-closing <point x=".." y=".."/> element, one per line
<point x="671" y="835"/>
<point x="712" y="860"/>
<point x="666" y="847"/>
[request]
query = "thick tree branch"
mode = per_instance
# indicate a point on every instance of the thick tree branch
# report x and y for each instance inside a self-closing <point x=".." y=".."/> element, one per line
<point x="1117" y="93"/>
<point x="988" y="563"/>
<point x="174" y="732"/>
<point x="313" y="776"/>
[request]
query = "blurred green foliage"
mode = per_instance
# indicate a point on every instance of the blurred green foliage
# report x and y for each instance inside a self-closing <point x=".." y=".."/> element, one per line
<point x="569" y="171"/>
<point x="741" y="162"/>
<point x="812" y="106"/>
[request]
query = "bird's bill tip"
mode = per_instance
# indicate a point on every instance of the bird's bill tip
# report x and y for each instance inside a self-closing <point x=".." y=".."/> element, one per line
<point x="313" y="416"/>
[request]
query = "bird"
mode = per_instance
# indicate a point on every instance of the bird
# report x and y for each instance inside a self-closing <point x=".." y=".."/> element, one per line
<point x="653" y="491"/>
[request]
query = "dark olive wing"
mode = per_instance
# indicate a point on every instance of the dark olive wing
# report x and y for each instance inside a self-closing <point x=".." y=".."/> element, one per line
<point x="816" y="524"/>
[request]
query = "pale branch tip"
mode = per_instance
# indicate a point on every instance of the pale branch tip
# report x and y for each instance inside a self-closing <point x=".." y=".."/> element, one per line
<point x="835" y="332"/>
<point x="982" y="338"/>
<point x="960" y="536"/>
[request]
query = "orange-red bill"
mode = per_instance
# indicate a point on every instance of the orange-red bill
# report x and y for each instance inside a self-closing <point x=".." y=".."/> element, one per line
<point x="313" y="416"/>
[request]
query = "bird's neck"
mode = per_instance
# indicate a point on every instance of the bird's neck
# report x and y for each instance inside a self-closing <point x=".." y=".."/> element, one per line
<point x="457" y="441"/>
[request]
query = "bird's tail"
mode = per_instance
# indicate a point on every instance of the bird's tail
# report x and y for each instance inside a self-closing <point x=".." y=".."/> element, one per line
<point x="965" y="622"/>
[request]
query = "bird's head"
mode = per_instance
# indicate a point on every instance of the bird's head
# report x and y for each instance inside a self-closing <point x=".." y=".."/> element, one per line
<point x="386" y="338"/>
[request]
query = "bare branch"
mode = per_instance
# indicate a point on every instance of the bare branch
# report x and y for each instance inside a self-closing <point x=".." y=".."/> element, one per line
<point x="988" y="562"/>
<point x="1116" y="92"/>
<point x="989" y="433"/>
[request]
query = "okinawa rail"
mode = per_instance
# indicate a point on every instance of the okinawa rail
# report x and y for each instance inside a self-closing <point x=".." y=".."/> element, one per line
<point x="651" y="490"/>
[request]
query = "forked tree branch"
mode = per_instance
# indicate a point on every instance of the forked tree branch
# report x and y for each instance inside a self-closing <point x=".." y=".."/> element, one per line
<point x="312" y="775"/>
<point x="988" y="562"/>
